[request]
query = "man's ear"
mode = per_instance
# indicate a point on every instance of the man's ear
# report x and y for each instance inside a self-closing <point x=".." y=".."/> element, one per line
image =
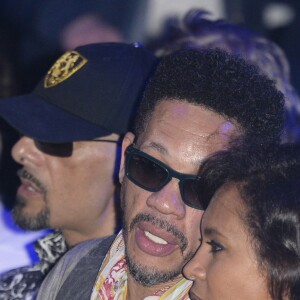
<point x="127" y="141"/>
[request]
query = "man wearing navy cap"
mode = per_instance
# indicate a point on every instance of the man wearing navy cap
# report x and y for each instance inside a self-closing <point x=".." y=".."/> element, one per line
<point x="71" y="126"/>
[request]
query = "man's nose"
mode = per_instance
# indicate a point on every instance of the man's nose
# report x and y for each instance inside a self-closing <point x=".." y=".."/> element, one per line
<point x="25" y="152"/>
<point x="168" y="200"/>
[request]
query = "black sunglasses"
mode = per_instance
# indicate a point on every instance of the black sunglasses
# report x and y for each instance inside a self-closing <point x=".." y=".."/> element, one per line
<point x="152" y="175"/>
<point x="65" y="149"/>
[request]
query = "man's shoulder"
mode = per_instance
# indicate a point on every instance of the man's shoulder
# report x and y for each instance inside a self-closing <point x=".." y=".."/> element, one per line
<point x="24" y="282"/>
<point x="85" y="258"/>
<point x="97" y="247"/>
<point x="90" y="252"/>
<point x="21" y="283"/>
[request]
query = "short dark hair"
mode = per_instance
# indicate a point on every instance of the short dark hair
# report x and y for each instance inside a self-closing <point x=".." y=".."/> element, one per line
<point x="220" y="82"/>
<point x="269" y="185"/>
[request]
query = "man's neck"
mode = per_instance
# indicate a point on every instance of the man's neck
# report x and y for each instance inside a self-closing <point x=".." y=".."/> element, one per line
<point x="137" y="291"/>
<point x="103" y="226"/>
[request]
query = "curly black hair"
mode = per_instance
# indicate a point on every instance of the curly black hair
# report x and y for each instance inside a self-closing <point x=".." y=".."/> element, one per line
<point x="220" y="82"/>
<point x="268" y="180"/>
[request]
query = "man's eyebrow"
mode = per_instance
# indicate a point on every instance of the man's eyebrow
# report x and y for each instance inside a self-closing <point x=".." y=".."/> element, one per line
<point x="159" y="147"/>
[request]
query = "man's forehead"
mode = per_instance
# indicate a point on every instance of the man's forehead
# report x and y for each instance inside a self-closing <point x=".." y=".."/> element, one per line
<point x="174" y="116"/>
<point x="187" y="131"/>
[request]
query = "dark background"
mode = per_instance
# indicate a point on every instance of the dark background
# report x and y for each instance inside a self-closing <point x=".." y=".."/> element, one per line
<point x="31" y="40"/>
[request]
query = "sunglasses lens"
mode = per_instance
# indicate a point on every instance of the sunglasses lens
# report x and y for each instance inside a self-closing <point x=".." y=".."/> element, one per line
<point x="191" y="193"/>
<point x="146" y="173"/>
<point x="55" y="149"/>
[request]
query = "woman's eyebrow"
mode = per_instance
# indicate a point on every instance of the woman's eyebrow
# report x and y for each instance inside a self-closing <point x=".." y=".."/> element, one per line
<point x="211" y="232"/>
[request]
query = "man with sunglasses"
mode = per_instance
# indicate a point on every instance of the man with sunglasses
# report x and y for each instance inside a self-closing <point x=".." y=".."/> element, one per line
<point x="194" y="105"/>
<point x="71" y="127"/>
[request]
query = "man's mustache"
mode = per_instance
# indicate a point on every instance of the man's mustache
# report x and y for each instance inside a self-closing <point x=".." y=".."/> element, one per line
<point x="22" y="173"/>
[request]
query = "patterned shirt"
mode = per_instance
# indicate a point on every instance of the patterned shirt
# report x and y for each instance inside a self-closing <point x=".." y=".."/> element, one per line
<point x="23" y="283"/>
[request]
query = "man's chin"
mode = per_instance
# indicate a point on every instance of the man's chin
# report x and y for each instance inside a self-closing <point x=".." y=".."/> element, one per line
<point x="150" y="275"/>
<point x="31" y="221"/>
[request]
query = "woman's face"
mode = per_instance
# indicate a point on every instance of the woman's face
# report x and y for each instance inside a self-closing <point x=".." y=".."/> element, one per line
<point x="225" y="267"/>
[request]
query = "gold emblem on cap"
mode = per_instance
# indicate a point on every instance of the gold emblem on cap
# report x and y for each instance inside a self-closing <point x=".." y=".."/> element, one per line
<point x="64" y="67"/>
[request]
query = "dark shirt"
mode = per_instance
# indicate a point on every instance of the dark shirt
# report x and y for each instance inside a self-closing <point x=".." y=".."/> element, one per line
<point x="23" y="283"/>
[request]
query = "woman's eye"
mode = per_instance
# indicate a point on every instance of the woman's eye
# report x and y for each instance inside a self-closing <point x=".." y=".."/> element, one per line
<point x="215" y="247"/>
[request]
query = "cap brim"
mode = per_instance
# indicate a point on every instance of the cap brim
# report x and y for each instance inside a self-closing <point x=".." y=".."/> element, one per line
<point x="33" y="117"/>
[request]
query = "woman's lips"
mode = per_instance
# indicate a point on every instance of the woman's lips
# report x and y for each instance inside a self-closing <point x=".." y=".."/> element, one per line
<point x="154" y="240"/>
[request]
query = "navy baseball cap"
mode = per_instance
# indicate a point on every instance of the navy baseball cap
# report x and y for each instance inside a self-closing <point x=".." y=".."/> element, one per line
<point x="89" y="92"/>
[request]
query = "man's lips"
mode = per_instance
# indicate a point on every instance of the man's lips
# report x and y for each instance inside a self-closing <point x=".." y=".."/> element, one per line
<point x="28" y="186"/>
<point x="168" y="237"/>
<point x="154" y="240"/>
